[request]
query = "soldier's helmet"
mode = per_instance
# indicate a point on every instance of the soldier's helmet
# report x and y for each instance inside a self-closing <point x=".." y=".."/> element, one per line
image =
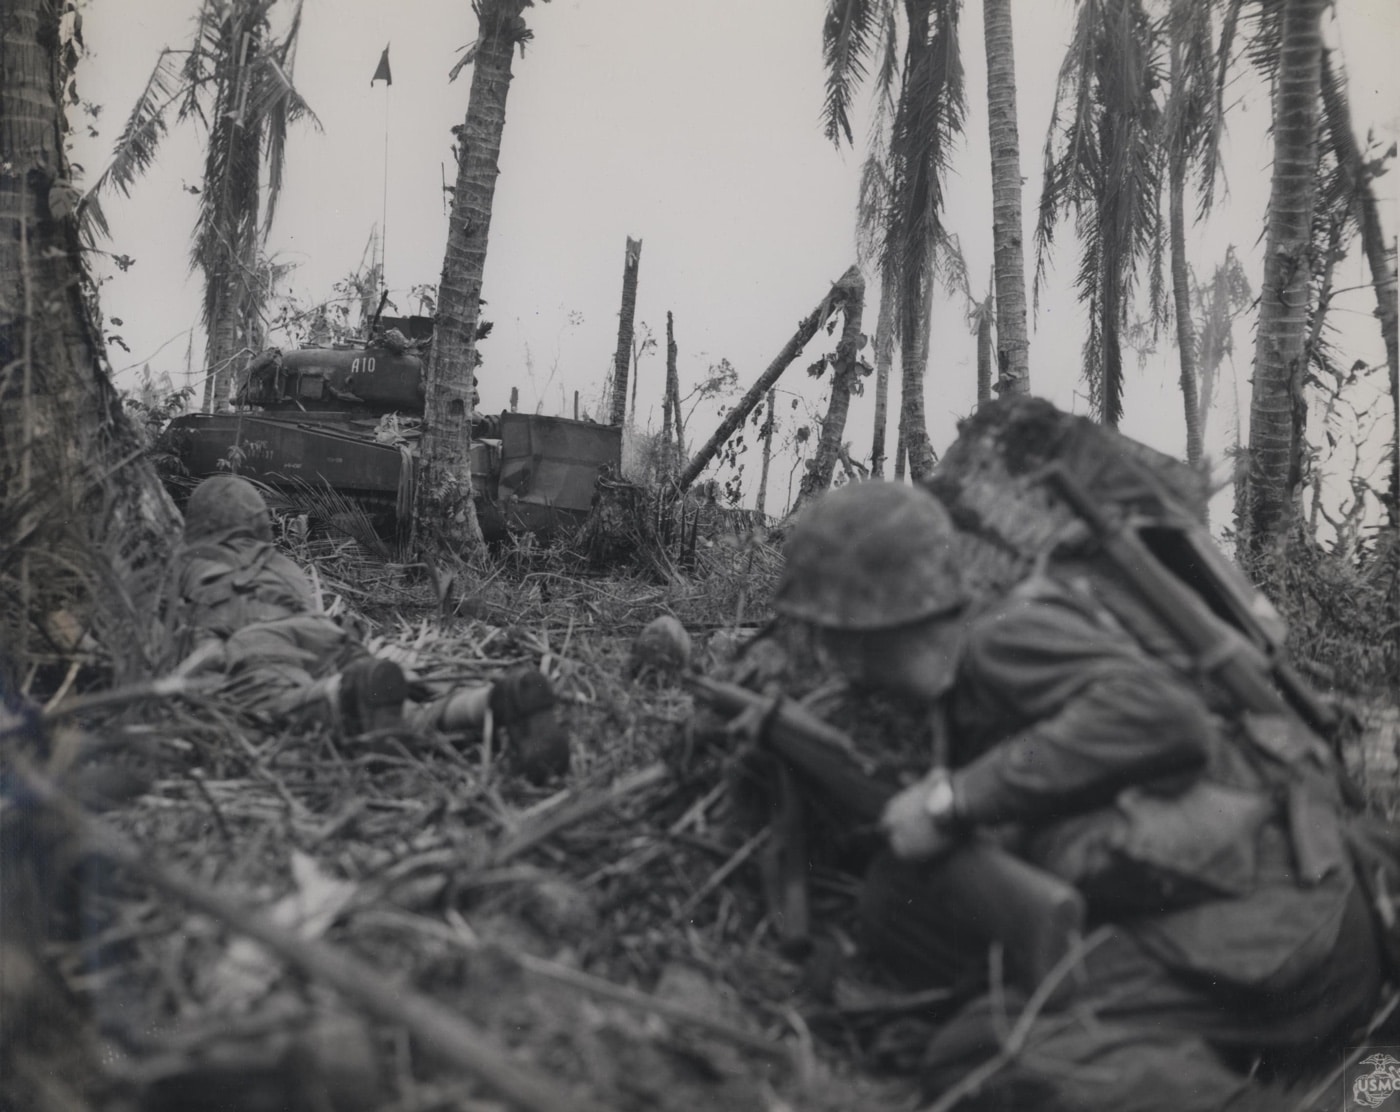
<point x="871" y="556"/>
<point x="225" y="504"/>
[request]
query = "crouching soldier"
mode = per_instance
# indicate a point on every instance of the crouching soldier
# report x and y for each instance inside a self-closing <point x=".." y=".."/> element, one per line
<point x="1215" y="938"/>
<point x="255" y="614"/>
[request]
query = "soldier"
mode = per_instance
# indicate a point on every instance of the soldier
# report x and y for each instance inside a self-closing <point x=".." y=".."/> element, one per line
<point x="1210" y="943"/>
<point x="254" y="613"/>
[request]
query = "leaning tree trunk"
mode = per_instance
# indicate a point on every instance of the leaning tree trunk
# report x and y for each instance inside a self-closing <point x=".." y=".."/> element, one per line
<point x="834" y="300"/>
<point x="845" y="369"/>
<point x="884" y="356"/>
<point x="1278" y="408"/>
<point x="1181" y="296"/>
<point x="630" y="264"/>
<point x="1013" y="344"/>
<point x="445" y="482"/>
<point x="85" y="525"/>
<point x="1343" y="138"/>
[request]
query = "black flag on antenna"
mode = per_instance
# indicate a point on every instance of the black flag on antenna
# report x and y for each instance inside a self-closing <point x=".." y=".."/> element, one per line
<point x="382" y="73"/>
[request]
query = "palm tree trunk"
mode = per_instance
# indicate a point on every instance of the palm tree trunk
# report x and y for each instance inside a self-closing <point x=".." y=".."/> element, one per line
<point x="914" y="362"/>
<point x="1278" y="409"/>
<point x="81" y="510"/>
<point x="672" y="404"/>
<point x="1181" y="295"/>
<point x="884" y="356"/>
<point x="901" y="448"/>
<point x="1013" y="345"/>
<point x="631" y="263"/>
<point x="770" y="420"/>
<point x="223" y="348"/>
<point x="834" y="300"/>
<point x="843" y="376"/>
<point x="445" y="487"/>
<point x="1343" y="138"/>
<point x="668" y="455"/>
<point x="984" y="351"/>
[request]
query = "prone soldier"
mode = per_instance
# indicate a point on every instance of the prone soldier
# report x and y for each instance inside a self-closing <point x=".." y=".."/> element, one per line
<point x="255" y="614"/>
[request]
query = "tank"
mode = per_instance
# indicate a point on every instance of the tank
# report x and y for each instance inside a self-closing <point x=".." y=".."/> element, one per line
<point x="340" y="416"/>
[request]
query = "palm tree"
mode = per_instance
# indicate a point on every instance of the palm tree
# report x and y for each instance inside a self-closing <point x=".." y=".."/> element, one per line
<point x="1013" y="344"/>
<point x="1103" y="162"/>
<point x="85" y="526"/>
<point x="1215" y="306"/>
<point x="846" y="369"/>
<point x="445" y="487"/>
<point x="1192" y="122"/>
<point x="1356" y="174"/>
<point x="1277" y="405"/>
<point x="234" y="79"/>
<point x="925" y="97"/>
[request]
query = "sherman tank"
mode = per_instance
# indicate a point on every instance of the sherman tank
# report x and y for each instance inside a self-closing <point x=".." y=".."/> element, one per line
<point x="348" y="417"/>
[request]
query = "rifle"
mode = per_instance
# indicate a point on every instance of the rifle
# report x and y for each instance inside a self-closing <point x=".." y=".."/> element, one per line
<point x="1035" y="915"/>
<point x="1239" y="652"/>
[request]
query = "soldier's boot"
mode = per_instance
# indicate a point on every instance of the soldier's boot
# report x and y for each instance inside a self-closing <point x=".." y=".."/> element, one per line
<point x="371" y="696"/>
<point x="525" y="704"/>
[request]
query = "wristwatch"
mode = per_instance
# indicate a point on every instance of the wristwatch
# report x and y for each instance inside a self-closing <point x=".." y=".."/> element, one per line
<point x="941" y="804"/>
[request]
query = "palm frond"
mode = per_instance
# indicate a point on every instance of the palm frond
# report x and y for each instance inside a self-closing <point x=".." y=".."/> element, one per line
<point x="848" y="41"/>
<point x="1104" y="164"/>
<point x="139" y="142"/>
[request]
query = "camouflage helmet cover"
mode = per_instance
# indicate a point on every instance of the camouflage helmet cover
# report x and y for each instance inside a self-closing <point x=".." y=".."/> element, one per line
<point x="869" y="556"/>
<point x="224" y="504"/>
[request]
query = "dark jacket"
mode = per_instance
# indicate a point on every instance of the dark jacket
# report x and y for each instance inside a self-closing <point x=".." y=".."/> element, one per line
<point x="1122" y="781"/>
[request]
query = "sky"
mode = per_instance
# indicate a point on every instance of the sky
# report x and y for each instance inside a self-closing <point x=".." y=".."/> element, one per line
<point x="695" y="127"/>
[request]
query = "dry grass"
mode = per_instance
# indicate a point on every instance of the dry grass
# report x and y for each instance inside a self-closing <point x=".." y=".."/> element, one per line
<point x="478" y="891"/>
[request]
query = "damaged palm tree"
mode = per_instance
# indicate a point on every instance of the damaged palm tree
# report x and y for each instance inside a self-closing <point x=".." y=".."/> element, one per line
<point x="632" y="261"/>
<point x="846" y="371"/>
<point x="445" y="487"/>
<point x="85" y="525"/>
<point x="849" y="288"/>
<point x="235" y="78"/>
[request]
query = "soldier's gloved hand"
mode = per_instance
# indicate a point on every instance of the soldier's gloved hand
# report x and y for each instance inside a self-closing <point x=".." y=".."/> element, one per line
<point x="917" y="832"/>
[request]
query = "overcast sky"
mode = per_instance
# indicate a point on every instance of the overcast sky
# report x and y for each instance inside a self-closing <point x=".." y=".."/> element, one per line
<point x="694" y="126"/>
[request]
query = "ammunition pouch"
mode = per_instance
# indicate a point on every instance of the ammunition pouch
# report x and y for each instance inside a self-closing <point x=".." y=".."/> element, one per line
<point x="1150" y="853"/>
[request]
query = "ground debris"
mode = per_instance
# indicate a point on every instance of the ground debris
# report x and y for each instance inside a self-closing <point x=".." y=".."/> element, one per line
<point x="577" y="926"/>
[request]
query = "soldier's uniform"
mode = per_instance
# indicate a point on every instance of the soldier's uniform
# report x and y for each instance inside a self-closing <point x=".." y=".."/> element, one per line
<point x="1207" y="937"/>
<point x="257" y="607"/>
<point x="1225" y="916"/>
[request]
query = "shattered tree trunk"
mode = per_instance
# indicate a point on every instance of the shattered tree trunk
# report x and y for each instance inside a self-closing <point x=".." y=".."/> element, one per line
<point x="445" y="495"/>
<point x="630" y="264"/>
<point x="884" y="356"/>
<point x="1278" y="406"/>
<point x="761" y="502"/>
<point x="670" y="434"/>
<point x="834" y="300"/>
<point x="82" y="512"/>
<point x="845" y="370"/>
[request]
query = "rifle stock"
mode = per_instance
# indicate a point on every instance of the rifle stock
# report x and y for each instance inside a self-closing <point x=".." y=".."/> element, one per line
<point x="1035" y="915"/>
